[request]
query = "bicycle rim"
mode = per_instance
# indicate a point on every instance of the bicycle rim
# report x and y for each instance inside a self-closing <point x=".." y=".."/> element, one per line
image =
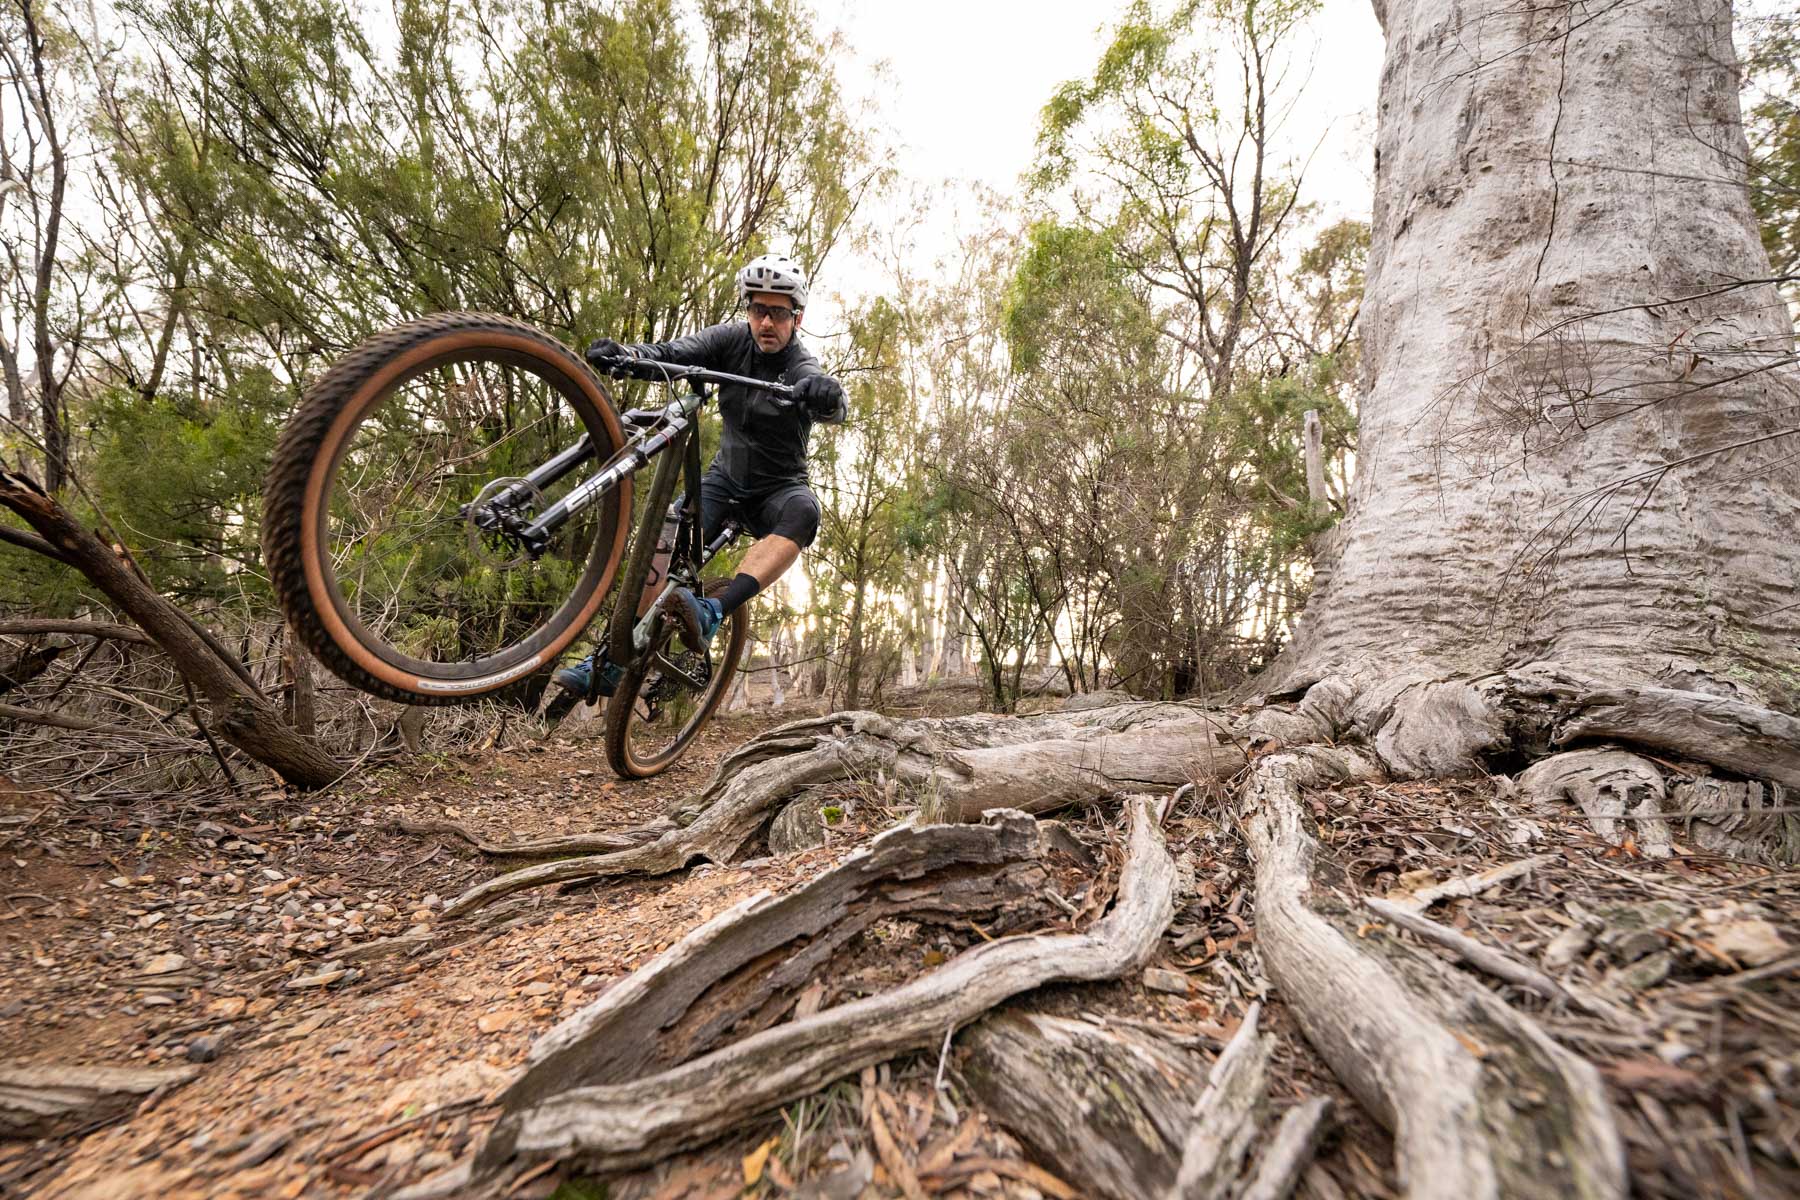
<point x="667" y="697"/>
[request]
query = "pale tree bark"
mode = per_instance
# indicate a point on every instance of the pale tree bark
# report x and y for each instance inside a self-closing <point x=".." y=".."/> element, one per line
<point x="1579" y="418"/>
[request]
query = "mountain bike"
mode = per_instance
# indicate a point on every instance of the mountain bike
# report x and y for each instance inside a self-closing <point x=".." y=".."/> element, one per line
<point x="447" y="512"/>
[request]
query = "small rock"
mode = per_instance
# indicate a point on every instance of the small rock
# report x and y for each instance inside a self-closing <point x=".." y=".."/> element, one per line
<point x="539" y="988"/>
<point x="337" y="1048"/>
<point x="227" y="1006"/>
<point x="592" y="983"/>
<point x="206" y="1048"/>
<point x="157" y="1000"/>
<point x="495" y="1022"/>
<point x="1632" y="931"/>
<point x="152" y="920"/>
<point x="432" y="901"/>
<point x="1158" y="979"/>
<point x="272" y="873"/>
<point x="165" y="964"/>
<point x="1567" y="946"/>
<point x="1645" y="973"/>
<point x="322" y="979"/>
<point x="433" y="1160"/>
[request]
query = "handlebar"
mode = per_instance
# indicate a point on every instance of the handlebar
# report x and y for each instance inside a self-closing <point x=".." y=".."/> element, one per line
<point x="654" y="371"/>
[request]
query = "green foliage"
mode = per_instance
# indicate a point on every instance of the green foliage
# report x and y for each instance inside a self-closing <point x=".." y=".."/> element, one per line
<point x="1772" y="123"/>
<point x="282" y="181"/>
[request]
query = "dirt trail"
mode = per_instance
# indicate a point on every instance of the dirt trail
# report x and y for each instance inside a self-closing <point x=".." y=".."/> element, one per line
<point x="350" y="1041"/>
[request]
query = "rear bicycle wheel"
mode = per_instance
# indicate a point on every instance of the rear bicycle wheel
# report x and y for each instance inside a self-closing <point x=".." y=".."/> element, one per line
<point x="374" y="558"/>
<point x="668" y="695"/>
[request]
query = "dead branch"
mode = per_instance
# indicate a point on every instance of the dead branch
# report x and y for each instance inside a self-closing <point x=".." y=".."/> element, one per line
<point x="1467" y="885"/>
<point x="240" y="714"/>
<point x="28" y="627"/>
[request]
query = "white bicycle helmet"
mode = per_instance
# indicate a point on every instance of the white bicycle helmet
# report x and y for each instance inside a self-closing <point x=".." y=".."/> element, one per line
<point x="775" y="273"/>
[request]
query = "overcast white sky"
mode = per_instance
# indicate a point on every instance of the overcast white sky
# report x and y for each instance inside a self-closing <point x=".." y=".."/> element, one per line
<point x="963" y="82"/>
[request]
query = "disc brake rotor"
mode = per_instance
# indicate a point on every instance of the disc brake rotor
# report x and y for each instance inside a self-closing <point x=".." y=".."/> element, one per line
<point x="495" y="547"/>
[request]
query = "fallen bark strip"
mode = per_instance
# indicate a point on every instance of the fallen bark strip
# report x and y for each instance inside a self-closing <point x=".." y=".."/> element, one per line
<point x="1438" y="1059"/>
<point x="1227" y="1116"/>
<point x="1105" y="1105"/>
<point x="626" y="1124"/>
<point x="39" y="1100"/>
<point x="960" y="767"/>
<point x="532" y="846"/>
<point x="1464" y="886"/>
<point x="1290" y="1152"/>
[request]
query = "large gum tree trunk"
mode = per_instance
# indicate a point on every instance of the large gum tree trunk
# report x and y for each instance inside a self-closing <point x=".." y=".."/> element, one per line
<point x="1577" y="429"/>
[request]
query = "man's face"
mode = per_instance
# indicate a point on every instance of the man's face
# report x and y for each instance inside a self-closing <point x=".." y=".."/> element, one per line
<point x="773" y="320"/>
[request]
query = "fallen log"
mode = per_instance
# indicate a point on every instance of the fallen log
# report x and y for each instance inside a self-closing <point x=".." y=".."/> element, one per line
<point x="1434" y="1056"/>
<point x="637" y="1118"/>
<point x="40" y="1100"/>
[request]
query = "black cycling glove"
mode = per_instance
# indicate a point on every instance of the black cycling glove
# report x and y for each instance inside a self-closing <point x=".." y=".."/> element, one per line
<point x="822" y="395"/>
<point x="606" y="349"/>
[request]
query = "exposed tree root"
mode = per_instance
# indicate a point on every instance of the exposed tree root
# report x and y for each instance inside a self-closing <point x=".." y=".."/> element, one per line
<point x="630" y="1118"/>
<point x="1607" y="785"/>
<point x="1440" y="1060"/>
<point x="35" y="1101"/>
<point x="1426" y="1048"/>
<point x="1105" y="1106"/>
<point x="958" y="768"/>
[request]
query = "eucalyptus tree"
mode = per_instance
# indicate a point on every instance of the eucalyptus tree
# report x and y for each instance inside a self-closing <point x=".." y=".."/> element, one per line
<point x="868" y="477"/>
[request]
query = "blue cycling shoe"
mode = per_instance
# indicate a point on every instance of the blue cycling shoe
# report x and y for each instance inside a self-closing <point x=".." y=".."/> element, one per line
<point x="581" y="679"/>
<point x="696" y="618"/>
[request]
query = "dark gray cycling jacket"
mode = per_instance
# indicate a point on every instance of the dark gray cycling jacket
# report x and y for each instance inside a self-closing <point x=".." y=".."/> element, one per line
<point x="762" y="445"/>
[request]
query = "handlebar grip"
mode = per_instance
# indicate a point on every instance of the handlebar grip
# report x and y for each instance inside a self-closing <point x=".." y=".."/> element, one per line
<point x="636" y="368"/>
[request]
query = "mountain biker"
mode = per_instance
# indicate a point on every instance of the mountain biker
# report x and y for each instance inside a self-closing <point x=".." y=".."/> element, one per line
<point x="759" y="475"/>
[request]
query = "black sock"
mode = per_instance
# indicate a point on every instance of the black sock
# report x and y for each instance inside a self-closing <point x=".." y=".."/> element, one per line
<point x="737" y="592"/>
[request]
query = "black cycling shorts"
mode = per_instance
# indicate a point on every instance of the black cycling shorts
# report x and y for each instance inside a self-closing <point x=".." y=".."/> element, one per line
<point x="789" y="509"/>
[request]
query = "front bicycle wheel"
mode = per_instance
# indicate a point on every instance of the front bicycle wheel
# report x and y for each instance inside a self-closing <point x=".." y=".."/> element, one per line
<point x="667" y="696"/>
<point x="370" y="519"/>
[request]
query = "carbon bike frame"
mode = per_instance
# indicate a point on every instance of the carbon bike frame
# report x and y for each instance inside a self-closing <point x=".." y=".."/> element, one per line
<point x="659" y="430"/>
